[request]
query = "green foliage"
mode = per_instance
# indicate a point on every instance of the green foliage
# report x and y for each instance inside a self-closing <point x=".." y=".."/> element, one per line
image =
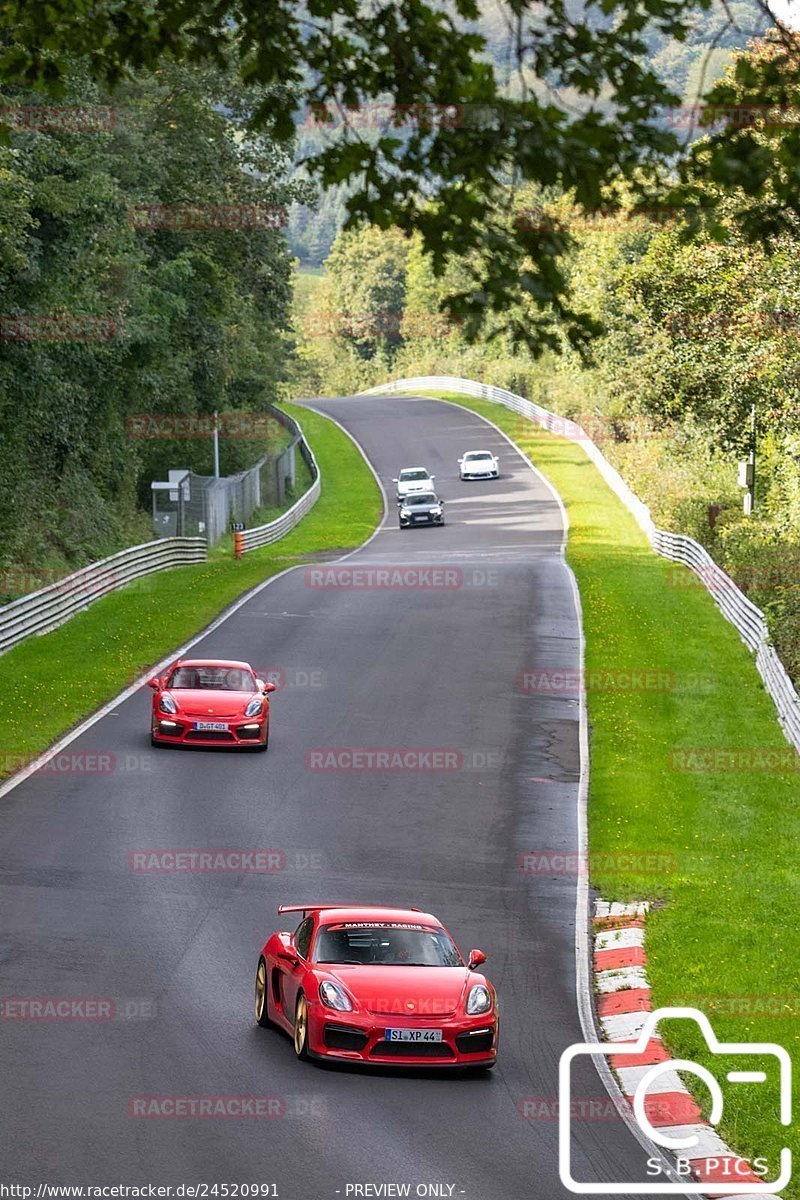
<point x="572" y="100"/>
<point x="197" y="316"/>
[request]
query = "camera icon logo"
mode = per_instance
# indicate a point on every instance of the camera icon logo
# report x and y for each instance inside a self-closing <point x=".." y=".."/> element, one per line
<point x="671" y="1139"/>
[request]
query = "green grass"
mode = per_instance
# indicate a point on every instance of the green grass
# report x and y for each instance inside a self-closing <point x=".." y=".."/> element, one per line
<point x="726" y="922"/>
<point x="49" y="684"/>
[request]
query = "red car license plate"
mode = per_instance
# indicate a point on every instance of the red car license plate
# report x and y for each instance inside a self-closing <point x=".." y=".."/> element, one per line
<point x="413" y="1035"/>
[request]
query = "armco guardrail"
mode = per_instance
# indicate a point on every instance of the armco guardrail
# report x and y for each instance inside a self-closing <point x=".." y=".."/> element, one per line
<point x="741" y="612"/>
<point x="52" y="605"/>
<point x="262" y="535"/>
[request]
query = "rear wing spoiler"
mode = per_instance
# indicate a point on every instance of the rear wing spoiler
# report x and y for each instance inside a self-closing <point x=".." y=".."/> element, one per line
<point x="309" y="908"/>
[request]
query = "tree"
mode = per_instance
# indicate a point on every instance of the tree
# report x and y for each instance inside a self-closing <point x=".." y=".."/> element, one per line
<point x="466" y="140"/>
<point x="196" y="317"/>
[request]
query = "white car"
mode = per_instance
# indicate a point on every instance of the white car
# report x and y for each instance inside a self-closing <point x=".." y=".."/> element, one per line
<point x="478" y="464"/>
<point x="412" y="480"/>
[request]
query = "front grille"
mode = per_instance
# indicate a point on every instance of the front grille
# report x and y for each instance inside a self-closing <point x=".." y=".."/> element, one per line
<point x="342" y="1037"/>
<point x="209" y="735"/>
<point x="475" y="1043"/>
<point x="412" y="1050"/>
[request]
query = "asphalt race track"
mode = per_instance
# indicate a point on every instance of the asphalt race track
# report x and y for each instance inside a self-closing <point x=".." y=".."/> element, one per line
<point x="422" y="667"/>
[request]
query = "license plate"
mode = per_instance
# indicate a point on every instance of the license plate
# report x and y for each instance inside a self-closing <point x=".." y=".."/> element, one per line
<point x="215" y="726"/>
<point x="421" y="517"/>
<point x="413" y="1035"/>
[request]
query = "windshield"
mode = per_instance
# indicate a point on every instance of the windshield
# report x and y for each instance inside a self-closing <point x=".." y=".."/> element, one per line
<point x="422" y="498"/>
<point x="476" y="455"/>
<point x="218" y="679"/>
<point x="386" y="945"/>
<point x="409" y="476"/>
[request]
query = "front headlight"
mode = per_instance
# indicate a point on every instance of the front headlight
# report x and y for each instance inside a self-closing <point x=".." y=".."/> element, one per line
<point x="479" y="1000"/>
<point x="335" y="997"/>
<point x="167" y="704"/>
<point x="405" y="512"/>
<point x="255" y="706"/>
<point x="436" y="512"/>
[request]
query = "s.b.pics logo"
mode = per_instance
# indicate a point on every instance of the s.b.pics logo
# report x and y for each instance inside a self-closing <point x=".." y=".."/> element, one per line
<point x="699" y="1162"/>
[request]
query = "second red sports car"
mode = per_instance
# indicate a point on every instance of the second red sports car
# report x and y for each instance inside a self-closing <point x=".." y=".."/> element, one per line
<point x="210" y="702"/>
<point x="378" y="986"/>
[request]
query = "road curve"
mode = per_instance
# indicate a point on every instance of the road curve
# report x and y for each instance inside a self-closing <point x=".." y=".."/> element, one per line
<point x="420" y="667"/>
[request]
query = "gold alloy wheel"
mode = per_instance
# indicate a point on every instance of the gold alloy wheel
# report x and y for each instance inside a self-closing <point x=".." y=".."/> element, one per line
<point x="261" y="989"/>
<point x="300" y="1027"/>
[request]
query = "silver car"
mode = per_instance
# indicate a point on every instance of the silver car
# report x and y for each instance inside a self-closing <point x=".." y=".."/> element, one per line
<point x="413" y="479"/>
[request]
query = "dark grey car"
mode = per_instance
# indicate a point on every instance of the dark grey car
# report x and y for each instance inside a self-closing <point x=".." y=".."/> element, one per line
<point x="422" y="508"/>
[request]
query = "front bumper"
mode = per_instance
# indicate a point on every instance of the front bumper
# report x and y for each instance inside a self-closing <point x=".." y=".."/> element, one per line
<point x="179" y="730"/>
<point x="493" y="474"/>
<point x="355" y="1037"/>
<point x="421" y="519"/>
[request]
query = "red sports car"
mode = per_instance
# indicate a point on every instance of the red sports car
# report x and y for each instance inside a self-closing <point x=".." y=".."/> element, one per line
<point x="210" y="702"/>
<point x="383" y="986"/>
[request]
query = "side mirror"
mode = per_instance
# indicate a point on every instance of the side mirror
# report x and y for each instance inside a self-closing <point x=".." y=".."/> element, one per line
<point x="476" y="957"/>
<point x="433" y="476"/>
<point x="268" y="687"/>
<point x="394" y="481"/>
<point x="155" y="684"/>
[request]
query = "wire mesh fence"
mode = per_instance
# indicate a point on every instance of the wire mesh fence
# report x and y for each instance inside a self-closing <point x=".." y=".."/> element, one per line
<point x="192" y="505"/>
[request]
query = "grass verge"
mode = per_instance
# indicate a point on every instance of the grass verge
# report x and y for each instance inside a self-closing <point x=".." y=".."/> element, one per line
<point x="50" y="683"/>
<point x="715" y="848"/>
